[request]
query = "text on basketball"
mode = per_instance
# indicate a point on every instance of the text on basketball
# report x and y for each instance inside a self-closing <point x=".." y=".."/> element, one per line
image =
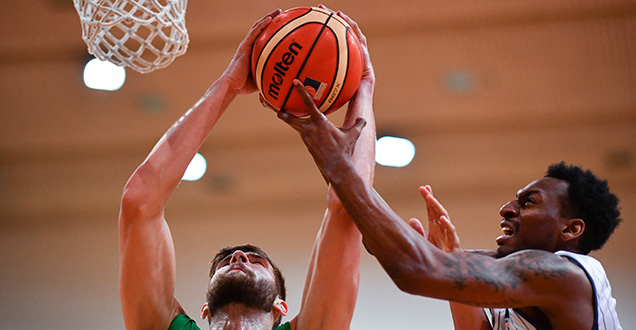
<point x="281" y="68"/>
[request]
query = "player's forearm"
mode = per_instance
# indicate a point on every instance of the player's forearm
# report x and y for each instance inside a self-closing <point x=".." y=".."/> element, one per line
<point x="338" y="228"/>
<point x="331" y="286"/>
<point x="158" y="176"/>
<point x="363" y="157"/>
<point x="401" y="251"/>
<point x="329" y="266"/>
<point x="176" y="148"/>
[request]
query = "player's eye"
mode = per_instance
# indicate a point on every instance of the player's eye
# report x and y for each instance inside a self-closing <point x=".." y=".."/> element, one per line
<point x="528" y="200"/>
<point x="224" y="262"/>
<point x="256" y="259"/>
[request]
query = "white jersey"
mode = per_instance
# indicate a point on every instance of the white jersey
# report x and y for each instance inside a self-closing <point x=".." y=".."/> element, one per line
<point x="606" y="317"/>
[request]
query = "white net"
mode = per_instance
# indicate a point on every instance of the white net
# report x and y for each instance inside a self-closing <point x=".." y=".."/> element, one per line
<point x="144" y="35"/>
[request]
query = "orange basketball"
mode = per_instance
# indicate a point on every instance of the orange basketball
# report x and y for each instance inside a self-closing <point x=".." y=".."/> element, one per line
<point x="314" y="46"/>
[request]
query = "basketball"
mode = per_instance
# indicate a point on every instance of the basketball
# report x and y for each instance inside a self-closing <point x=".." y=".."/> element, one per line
<point x="314" y="46"/>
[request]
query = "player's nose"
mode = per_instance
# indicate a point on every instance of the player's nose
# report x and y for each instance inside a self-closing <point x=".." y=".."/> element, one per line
<point x="238" y="256"/>
<point x="508" y="210"/>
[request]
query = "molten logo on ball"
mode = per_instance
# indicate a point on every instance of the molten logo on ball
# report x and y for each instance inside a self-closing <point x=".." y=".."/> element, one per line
<point x="314" y="46"/>
<point x="280" y="69"/>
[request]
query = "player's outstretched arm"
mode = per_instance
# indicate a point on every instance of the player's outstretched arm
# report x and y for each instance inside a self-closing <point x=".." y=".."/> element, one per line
<point x="529" y="278"/>
<point x="331" y="286"/>
<point x="147" y="258"/>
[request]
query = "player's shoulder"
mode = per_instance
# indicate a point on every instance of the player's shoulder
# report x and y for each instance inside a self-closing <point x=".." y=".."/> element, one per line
<point x="549" y="277"/>
<point x="547" y="271"/>
<point x="545" y="264"/>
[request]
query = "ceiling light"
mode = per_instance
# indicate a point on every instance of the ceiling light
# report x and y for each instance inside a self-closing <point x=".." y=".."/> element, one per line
<point x="394" y="151"/>
<point x="103" y="75"/>
<point x="196" y="169"/>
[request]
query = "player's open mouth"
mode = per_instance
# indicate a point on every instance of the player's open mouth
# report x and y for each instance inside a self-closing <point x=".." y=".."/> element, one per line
<point x="507" y="232"/>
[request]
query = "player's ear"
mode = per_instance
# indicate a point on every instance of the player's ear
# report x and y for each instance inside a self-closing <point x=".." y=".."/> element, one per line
<point x="573" y="229"/>
<point x="205" y="312"/>
<point x="280" y="306"/>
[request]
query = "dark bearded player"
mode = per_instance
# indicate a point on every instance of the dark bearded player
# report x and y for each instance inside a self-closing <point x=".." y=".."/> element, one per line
<point x="539" y="278"/>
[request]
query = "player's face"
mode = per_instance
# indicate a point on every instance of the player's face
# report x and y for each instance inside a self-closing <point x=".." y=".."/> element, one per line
<point x="534" y="219"/>
<point x="244" y="278"/>
<point x="250" y="264"/>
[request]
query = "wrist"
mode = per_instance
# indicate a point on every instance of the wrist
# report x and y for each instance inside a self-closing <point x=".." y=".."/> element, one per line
<point x="368" y="77"/>
<point x="228" y="85"/>
<point x="342" y="172"/>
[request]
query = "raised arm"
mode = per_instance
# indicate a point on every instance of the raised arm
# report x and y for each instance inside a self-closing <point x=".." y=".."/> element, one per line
<point x="331" y="286"/>
<point x="531" y="278"/>
<point x="147" y="258"/>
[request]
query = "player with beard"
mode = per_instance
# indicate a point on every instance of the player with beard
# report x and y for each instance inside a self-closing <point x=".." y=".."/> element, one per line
<point x="242" y="286"/>
<point x="237" y="282"/>
<point x="539" y="278"/>
<point x="246" y="290"/>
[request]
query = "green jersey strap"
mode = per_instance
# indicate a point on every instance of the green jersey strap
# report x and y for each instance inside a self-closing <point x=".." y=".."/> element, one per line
<point x="184" y="322"/>
<point x="284" y="326"/>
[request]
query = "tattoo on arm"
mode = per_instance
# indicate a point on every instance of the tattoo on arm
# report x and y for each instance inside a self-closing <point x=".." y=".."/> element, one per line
<point x="502" y="277"/>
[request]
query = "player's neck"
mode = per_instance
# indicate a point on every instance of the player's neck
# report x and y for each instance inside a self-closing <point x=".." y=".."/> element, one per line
<point x="239" y="317"/>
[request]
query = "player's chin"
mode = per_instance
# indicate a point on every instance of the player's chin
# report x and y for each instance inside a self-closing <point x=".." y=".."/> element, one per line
<point x="503" y="250"/>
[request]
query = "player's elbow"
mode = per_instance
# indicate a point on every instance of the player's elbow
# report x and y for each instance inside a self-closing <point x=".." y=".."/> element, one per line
<point x="131" y="208"/>
<point x="135" y="201"/>
<point x="130" y="201"/>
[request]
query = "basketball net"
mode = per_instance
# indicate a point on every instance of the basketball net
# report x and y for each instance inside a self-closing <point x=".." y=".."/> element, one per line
<point x="144" y="35"/>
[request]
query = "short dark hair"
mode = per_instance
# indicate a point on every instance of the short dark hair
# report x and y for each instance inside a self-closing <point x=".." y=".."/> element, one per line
<point x="278" y="276"/>
<point x="589" y="199"/>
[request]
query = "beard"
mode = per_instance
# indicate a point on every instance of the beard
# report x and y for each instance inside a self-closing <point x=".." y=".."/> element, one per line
<point x="245" y="290"/>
